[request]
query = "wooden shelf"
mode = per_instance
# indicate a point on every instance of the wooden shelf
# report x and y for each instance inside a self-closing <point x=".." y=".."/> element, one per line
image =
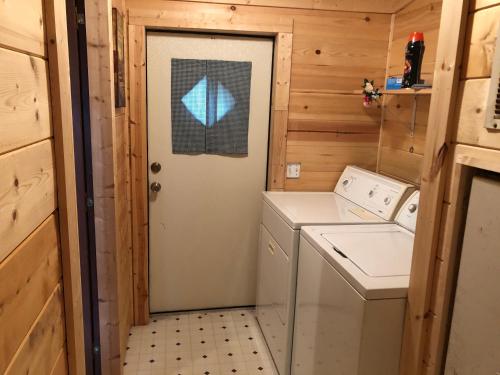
<point x="427" y="91"/>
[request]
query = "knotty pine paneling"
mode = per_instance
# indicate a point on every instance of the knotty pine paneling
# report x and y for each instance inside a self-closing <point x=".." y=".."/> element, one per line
<point x="398" y="114"/>
<point x="400" y="164"/>
<point x="22" y="26"/>
<point x="29" y="275"/>
<point x="339" y="111"/>
<point x="323" y="157"/>
<point x="328" y="126"/>
<point x="326" y="132"/>
<point x="480" y="40"/>
<point x="27" y="192"/>
<point x="24" y="99"/>
<point x="337" y="52"/>
<point x="35" y="247"/>
<point x="407" y="147"/>
<point x="40" y="349"/>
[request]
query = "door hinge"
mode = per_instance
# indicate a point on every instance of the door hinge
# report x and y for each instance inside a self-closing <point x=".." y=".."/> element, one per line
<point x="90" y="203"/>
<point x="80" y="18"/>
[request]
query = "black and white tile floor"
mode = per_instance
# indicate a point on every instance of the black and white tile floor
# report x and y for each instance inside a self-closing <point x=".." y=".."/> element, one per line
<point x="212" y="342"/>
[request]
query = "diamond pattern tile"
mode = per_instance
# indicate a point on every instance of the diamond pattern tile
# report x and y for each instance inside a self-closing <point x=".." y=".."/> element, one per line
<point x="213" y="342"/>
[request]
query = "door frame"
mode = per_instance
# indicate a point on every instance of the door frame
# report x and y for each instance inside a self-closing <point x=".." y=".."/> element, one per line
<point x="139" y="23"/>
<point x="62" y="101"/>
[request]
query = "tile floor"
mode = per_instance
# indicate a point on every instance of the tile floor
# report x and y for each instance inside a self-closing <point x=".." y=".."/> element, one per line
<point x="211" y="342"/>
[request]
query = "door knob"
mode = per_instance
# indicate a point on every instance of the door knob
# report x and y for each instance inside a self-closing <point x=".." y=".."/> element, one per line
<point x="412" y="208"/>
<point x="155" y="167"/>
<point x="156" y="187"/>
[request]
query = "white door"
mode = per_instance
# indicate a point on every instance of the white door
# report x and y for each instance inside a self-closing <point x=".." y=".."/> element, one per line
<point x="204" y="222"/>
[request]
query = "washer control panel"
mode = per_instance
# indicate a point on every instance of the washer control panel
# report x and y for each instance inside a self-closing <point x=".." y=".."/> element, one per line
<point x="407" y="215"/>
<point x="376" y="193"/>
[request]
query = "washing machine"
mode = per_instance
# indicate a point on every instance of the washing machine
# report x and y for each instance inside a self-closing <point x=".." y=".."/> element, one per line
<point x="359" y="197"/>
<point x="351" y="296"/>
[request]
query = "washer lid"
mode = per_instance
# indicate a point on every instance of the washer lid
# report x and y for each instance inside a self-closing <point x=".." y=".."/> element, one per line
<point x="383" y="253"/>
<point x="316" y="208"/>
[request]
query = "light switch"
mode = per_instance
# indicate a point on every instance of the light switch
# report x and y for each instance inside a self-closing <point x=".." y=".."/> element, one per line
<point x="293" y="170"/>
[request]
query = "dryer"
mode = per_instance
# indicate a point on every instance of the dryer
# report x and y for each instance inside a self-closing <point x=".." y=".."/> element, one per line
<point x="360" y="197"/>
<point x="351" y="296"/>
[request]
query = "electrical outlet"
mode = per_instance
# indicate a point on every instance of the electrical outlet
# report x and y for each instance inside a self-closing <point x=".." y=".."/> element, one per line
<point x="293" y="170"/>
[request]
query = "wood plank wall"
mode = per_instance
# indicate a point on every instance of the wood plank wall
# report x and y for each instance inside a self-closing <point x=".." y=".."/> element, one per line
<point x="401" y="150"/>
<point x="328" y="127"/>
<point x="32" y="323"/>
<point x="482" y="27"/>
<point x="123" y="203"/>
<point x="111" y="173"/>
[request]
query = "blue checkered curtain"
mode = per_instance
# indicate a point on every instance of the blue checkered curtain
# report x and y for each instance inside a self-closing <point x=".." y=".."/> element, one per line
<point x="230" y="109"/>
<point x="210" y="106"/>
<point x="188" y="132"/>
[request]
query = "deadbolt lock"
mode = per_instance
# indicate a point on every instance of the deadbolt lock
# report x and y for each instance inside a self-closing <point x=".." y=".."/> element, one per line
<point x="155" y="167"/>
<point x="155" y="187"/>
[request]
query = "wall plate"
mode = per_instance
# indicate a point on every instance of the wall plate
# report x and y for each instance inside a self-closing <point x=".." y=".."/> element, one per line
<point x="293" y="170"/>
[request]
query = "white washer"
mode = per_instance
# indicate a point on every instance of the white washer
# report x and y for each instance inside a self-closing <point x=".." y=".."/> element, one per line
<point x="360" y="197"/>
<point x="351" y="296"/>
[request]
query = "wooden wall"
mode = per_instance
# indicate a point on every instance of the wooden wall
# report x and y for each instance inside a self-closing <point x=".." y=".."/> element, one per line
<point x="470" y="142"/>
<point x="401" y="148"/>
<point x="123" y="207"/>
<point x="111" y="173"/>
<point x="35" y="248"/>
<point x="328" y="126"/>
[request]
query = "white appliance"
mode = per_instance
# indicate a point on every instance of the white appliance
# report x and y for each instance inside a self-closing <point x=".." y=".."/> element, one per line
<point x="351" y="294"/>
<point x="360" y="197"/>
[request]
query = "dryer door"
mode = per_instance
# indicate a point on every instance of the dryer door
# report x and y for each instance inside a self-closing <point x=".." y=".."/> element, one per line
<point x="273" y="296"/>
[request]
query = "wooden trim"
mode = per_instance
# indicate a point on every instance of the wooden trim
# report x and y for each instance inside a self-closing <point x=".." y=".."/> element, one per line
<point x="477" y="157"/>
<point x="282" y="68"/>
<point x="446" y="81"/>
<point x="206" y="17"/>
<point x="62" y="118"/>
<point x="277" y="151"/>
<point x="104" y="160"/>
<point x="375" y="6"/>
<point x="139" y="167"/>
